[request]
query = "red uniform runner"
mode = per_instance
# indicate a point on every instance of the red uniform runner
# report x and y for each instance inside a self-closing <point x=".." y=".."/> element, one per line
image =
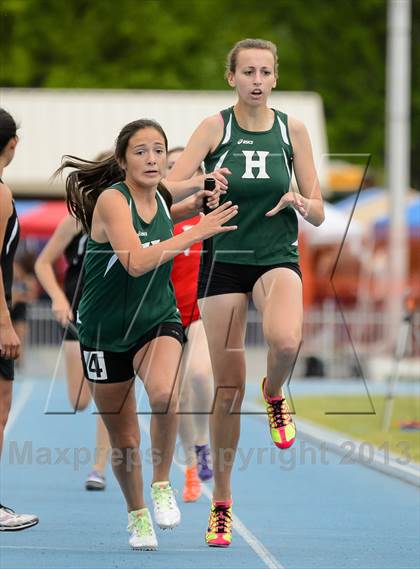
<point x="185" y="275"/>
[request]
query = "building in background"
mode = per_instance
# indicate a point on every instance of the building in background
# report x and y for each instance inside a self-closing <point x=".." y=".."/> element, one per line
<point x="84" y="122"/>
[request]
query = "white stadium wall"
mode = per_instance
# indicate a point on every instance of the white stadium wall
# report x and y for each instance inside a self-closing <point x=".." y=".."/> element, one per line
<point x="54" y="122"/>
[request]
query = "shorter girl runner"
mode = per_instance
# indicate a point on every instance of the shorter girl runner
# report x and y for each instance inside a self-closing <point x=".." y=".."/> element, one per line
<point x="128" y="322"/>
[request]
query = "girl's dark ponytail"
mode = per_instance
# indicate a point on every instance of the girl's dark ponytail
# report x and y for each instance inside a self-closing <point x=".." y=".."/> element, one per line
<point x="86" y="183"/>
<point x="166" y="194"/>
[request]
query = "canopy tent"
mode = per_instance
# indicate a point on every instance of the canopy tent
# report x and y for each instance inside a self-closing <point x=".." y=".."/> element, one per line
<point x="373" y="205"/>
<point x="412" y="220"/>
<point x="38" y="218"/>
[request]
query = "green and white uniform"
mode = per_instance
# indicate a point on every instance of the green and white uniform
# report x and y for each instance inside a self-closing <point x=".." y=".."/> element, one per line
<point x="261" y="166"/>
<point x="116" y="309"/>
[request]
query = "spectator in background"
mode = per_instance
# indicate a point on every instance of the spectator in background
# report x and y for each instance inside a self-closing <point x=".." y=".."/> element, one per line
<point x="24" y="291"/>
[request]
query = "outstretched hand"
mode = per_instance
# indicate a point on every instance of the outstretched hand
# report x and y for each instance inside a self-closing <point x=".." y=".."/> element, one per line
<point x="214" y="222"/>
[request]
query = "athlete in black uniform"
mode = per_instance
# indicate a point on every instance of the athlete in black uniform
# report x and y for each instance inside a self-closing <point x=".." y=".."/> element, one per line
<point x="70" y="240"/>
<point x="9" y="341"/>
<point x="73" y="279"/>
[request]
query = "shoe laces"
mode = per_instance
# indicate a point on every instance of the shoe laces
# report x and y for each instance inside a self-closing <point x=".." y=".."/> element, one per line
<point x="164" y="497"/>
<point x="278" y="413"/>
<point x="140" y="524"/>
<point x="221" y="519"/>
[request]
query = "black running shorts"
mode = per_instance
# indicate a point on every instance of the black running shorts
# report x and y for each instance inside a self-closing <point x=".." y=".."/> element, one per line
<point x="102" y="366"/>
<point x="7" y="368"/>
<point x="225" y="278"/>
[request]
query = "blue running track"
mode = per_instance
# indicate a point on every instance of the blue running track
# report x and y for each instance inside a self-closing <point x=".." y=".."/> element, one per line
<point x="300" y="509"/>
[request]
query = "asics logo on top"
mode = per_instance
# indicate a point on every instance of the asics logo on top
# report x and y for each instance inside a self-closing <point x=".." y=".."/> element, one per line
<point x="149" y="243"/>
<point x="255" y="159"/>
<point x="242" y="141"/>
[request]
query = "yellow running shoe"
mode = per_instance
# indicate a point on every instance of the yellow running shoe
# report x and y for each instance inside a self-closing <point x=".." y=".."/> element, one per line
<point x="282" y="427"/>
<point x="219" y="531"/>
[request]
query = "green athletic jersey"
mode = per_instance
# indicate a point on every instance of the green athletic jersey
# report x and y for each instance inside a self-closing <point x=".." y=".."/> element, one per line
<point x="261" y="166"/>
<point x="116" y="309"/>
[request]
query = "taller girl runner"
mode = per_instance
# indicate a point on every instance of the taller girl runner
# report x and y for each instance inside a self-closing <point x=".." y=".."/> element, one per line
<point x="260" y="146"/>
<point x="128" y="321"/>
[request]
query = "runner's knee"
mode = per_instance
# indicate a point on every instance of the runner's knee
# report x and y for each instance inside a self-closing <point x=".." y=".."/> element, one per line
<point x="163" y="400"/>
<point x="284" y="346"/>
<point x="124" y="438"/>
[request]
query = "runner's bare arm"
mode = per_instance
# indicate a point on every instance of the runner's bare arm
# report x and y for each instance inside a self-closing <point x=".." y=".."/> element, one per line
<point x="203" y="140"/>
<point x="305" y="172"/>
<point x="112" y="212"/>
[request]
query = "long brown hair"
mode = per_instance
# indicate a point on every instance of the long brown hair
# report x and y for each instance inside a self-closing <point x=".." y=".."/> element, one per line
<point x="90" y="178"/>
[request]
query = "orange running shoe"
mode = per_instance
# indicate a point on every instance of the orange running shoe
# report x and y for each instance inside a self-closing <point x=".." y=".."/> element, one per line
<point x="219" y="531"/>
<point x="192" y="488"/>
<point x="282" y="427"/>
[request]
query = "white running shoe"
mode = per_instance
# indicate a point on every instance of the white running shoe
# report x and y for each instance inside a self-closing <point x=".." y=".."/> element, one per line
<point x="167" y="514"/>
<point x="142" y="534"/>
<point x="95" y="481"/>
<point x="10" y="521"/>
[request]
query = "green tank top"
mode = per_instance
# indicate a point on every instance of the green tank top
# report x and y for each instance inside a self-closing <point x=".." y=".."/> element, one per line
<point x="261" y="166"/>
<point x="116" y="309"/>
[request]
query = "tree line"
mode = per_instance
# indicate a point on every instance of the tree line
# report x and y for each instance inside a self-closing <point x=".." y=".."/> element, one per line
<point x="334" y="47"/>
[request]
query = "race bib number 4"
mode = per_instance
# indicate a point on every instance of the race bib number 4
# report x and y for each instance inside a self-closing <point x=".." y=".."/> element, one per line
<point x="95" y="365"/>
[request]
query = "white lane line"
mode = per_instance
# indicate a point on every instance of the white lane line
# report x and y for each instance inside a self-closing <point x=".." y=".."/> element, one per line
<point x="18" y="405"/>
<point x="247" y="535"/>
<point x="254" y="543"/>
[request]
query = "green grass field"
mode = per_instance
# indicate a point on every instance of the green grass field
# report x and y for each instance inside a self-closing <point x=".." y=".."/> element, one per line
<point x="366" y="427"/>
